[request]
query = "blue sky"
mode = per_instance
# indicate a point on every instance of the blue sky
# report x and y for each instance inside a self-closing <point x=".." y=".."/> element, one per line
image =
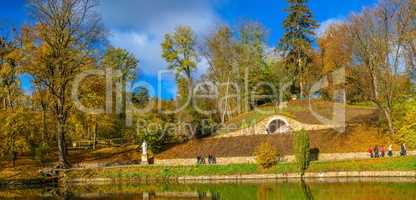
<point x="139" y="25"/>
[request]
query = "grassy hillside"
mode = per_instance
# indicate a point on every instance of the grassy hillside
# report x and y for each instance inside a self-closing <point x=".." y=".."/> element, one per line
<point x="302" y="111"/>
<point x="356" y="139"/>
<point x="362" y="131"/>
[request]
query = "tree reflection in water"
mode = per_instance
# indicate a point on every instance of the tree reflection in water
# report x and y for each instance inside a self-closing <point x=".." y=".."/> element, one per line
<point x="306" y="190"/>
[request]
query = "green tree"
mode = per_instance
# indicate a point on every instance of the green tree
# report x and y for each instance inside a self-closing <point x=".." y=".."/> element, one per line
<point x="301" y="149"/>
<point x="141" y="96"/>
<point x="156" y="128"/>
<point x="126" y="63"/>
<point x="296" y="42"/>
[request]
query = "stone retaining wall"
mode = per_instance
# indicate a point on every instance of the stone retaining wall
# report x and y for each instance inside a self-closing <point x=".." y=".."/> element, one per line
<point x="290" y="158"/>
<point x="283" y="176"/>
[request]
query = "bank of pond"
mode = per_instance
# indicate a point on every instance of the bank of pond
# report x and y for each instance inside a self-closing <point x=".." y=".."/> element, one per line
<point x="340" y="189"/>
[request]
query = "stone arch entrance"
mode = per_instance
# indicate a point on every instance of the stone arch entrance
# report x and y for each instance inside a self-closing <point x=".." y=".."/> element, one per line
<point x="277" y="125"/>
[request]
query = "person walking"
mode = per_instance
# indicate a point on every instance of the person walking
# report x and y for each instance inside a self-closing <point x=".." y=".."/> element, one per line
<point x="403" y="150"/>
<point x="370" y="152"/>
<point x="376" y="152"/>
<point x="390" y="151"/>
<point x="382" y="151"/>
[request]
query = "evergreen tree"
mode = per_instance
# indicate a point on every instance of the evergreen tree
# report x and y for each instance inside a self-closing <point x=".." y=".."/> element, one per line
<point x="296" y="43"/>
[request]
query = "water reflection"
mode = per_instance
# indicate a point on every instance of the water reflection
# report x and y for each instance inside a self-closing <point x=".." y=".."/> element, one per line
<point x="306" y="190"/>
<point x="347" y="189"/>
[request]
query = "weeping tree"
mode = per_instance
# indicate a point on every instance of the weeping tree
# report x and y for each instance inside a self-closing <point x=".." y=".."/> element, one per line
<point x="301" y="149"/>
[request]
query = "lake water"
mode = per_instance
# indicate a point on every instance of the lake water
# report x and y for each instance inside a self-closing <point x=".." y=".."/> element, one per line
<point x="339" y="189"/>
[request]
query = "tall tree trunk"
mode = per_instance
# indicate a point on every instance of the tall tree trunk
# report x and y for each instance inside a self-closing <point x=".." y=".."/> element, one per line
<point x="301" y="87"/>
<point x="190" y="86"/>
<point x="123" y="107"/>
<point x="389" y="120"/>
<point x="94" y="138"/>
<point x="63" y="163"/>
<point x="45" y="125"/>
<point x="226" y="103"/>
<point x="387" y="115"/>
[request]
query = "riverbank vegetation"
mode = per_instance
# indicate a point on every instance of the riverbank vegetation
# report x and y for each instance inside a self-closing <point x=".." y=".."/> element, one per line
<point x="161" y="172"/>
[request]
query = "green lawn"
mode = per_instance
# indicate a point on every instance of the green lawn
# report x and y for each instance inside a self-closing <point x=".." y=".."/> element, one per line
<point x="160" y="172"/>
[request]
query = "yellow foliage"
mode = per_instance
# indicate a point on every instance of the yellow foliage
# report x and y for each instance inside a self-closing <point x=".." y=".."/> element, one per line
<point x="266" y="155"/>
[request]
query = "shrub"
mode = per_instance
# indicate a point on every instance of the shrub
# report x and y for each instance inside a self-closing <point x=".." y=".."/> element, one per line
<point x="266" y="155"/>
<point x="301" y="144"/>
<point x="41" y="152"/>
<point x="405" y="123"/>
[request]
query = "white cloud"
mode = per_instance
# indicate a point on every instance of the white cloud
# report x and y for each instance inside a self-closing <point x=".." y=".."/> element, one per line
<point x="326" y="24"/>
<point x="143" y="46"/>
<point x="202" y="67"/>
<point x="139" y="26"/>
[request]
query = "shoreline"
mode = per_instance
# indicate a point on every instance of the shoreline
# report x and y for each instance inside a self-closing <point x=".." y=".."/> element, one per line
<point x="320" y="176"/>
<point x="245" y="177"/>
<point x="386" y="167"/>
<point x="30" y="183"/>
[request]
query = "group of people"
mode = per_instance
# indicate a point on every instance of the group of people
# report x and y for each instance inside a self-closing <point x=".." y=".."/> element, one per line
<point x="211" y="160"/>
<point x="380" y="151"/>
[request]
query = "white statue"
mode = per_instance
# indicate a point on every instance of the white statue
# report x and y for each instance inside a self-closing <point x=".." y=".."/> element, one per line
<point x="144" y="153"/>
<point x="144" y="148"/>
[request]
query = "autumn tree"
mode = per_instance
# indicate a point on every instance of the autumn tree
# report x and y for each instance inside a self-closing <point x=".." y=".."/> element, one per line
<point x="9" y="71"/>
<point x="92" y="94"/>
<point x="64" y="34"/>
<point x="379" y="37"/>
<point x="125" y="63"/>
<point x="296" y="43"/>
<point x="16" y="132"/>
<point x="179" y="51"/>
<point x="251" y="63"/>
<point x="335" y="53"/>
<point x="40" y="98"/>
<point x="404" y="120"/>
<point x="222" y="57"/>
<point x="237" y="66"/>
